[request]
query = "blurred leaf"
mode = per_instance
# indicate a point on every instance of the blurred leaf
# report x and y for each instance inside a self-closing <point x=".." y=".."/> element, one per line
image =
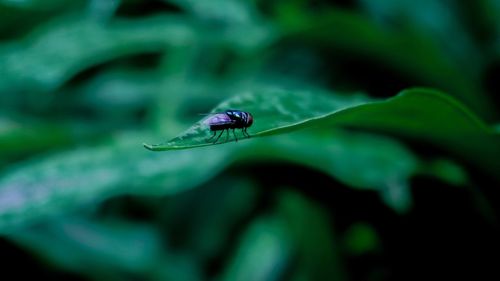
<point x="231" y="11"/>
<point x="64" y="181"/>
<point x="112" y="250"/>
<point x="103" y="9"/>
<point x="440" y="21"/>
<point x="264" y="252"/>
<point x="41" y="135"/>
<point x="66" y="46"/>
<point x="312" y="233"/>
<point x="296" y="241"/>
<point x="213" y="212"/>
<point x="406" y="51"/>
<point x="19" y="17"/>
<point x="446" y="170"/>
<point x="422" y="114"/>
<point x="493" y="7"/>
<point x="117" y="92"/>
<point x="34" y="4"/>
<point x="358" y="160"/>
<point x="496" y="127"/>
<point x="231" y="17"/>
<point x="361" y="238"/>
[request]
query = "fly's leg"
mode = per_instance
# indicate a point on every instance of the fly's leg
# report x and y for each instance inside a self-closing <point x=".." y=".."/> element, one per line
<point x="218" y="137"/>
<point x="244" y="130"/>
<point x="234" y="134"/>
<point x="211" y="136"/>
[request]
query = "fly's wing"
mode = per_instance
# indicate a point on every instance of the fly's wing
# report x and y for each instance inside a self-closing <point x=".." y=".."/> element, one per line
<point x="218" y="119"/>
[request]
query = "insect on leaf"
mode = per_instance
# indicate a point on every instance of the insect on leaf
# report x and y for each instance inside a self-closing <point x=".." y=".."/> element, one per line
<point x="423" y="114"/>
<point x="273" y="111"/>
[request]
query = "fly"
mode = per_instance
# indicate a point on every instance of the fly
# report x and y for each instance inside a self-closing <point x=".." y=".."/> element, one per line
<point x="229" y="119"/>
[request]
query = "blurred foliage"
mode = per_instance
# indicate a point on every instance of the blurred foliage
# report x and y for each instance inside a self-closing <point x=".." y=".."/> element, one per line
<point x="392" y="175"/>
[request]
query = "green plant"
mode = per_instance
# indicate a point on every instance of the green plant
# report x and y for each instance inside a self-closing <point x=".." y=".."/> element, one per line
<point x="374" y="152"/>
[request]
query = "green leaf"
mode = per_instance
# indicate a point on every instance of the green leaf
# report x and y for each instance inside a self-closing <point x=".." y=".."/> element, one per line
<point x="446" y="170"/>
<point x="423" y="114"/>
<point x="274" y="111"/>
<point x="264" y="253"/>
<point x="358" y="160"/>
<point x="440" y="22"/>
<point x="361" y="238"/>
<point x="230" y="11"/>
<point x="109" y="248"/>
<point x="435" y="118"/>
<point x="226" y="202"/>
<point x="112" y="248"/>
<point x="295" y="240"/>
<point x="62" y="48"/>
<point x="64" y="181"/>
<point x="60" y="182"/>
<point x="34" y="4"/>
<point x="405" y="50"/>
<point x="310" y="227"/>
<point x="40" y="135"/>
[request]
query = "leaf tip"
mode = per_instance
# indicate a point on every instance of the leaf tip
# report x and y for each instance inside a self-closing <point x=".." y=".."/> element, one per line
<point x="148" y="146"/>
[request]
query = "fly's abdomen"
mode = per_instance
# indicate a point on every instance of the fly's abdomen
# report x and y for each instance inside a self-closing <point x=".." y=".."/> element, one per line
<point x="217" y="127"/>
<point x="230" y="119"/>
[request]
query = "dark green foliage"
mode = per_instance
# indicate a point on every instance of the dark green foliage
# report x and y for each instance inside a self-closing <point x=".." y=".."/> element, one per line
<point x="374" y="153"/>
